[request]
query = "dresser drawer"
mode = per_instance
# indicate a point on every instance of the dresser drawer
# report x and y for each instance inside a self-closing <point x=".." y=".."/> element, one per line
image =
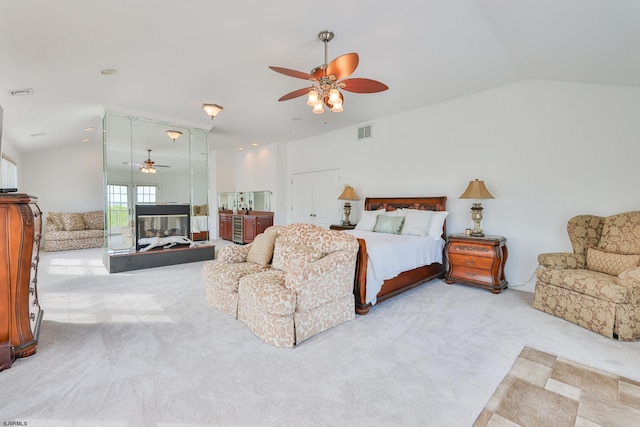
<point x="471" y="261"/>
<point x="472" y="249"/>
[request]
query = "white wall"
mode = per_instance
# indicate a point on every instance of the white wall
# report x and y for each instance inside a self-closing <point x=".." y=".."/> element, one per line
<point x="65" y="179"/>
<point x="546" y="151"/>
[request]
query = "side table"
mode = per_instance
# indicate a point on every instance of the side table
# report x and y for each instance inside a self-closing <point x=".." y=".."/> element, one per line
<point x="477" y="261"/>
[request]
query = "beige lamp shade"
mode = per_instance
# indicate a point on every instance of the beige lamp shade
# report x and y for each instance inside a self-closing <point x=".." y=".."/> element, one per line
<point x="476" y="190"/>
<point x="348" y="194"/>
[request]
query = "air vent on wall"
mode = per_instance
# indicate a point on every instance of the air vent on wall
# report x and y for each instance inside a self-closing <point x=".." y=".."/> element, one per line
<point x="364" y="132"/>
<point x="21" y="92"/>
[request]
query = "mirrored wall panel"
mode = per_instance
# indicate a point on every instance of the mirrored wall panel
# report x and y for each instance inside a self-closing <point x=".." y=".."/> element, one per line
<point x="149" y="163"/>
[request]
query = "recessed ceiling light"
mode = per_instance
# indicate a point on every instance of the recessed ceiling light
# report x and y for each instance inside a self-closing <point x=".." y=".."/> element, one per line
<point x="254" y="144"/>
<point x="37" y="134"/>
<point x="108" y="71"/>
<point x="240" y="148"/>
<point x="89" y="129"/>
<point x="85" y="140"/>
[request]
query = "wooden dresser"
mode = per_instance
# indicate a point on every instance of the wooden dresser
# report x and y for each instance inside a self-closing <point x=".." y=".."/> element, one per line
<point x="20" y="313"/>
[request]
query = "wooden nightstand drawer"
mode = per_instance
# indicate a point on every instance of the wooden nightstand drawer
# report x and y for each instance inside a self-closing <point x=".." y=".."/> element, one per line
<point x="471" y="274"/>
<point x="477" y="261"/>
<point x="473" y="249"/>
<point x="471" y="261"/>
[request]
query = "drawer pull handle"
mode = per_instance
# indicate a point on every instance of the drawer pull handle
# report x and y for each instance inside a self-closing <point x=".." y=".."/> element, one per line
<point x="469" y="261"/>
<point x="471" y="273"/>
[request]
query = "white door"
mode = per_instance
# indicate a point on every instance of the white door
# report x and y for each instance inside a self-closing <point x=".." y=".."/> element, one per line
<point x="314" y="197"/>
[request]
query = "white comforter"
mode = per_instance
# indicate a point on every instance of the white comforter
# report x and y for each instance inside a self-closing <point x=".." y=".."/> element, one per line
<point x="391" y="254"/>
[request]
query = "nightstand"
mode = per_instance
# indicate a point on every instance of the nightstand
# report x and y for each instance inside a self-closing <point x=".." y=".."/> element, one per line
<point x="477" y="261"/>
<point x="342" y="227"/>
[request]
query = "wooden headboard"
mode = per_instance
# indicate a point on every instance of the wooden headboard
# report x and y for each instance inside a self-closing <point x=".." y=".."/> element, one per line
<point x="438" y="203"/>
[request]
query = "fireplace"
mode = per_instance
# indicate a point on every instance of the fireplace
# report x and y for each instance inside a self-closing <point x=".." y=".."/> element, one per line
<point x="162" y="221"/>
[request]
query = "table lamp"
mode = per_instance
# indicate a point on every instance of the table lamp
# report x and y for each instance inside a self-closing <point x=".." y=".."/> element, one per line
<point x="348" y="194"/>
<point x="476" y="190"/>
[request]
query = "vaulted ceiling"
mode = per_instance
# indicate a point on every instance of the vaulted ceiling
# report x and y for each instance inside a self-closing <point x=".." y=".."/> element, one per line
<point x="173" y="56"/>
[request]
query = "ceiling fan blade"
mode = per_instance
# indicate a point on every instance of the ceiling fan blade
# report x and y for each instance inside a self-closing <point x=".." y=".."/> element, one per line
<point x="343" y="66"/>
<point x="363" y="85"/>
<point x="292" y="73"/>
<point x="294" y="94"/>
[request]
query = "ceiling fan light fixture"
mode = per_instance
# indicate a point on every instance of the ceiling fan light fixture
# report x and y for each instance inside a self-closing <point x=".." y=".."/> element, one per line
<point x="313" y="98"/>
<point x="173" y="134"/>
<point x="337" y="107"/>
<point x="334" y="96"/>
<point x="318" y="108"/>
<point x="212" y="109"/>
<point x="147" y="169"/>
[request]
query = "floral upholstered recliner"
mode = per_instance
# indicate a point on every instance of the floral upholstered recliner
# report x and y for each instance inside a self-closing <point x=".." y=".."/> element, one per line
<point x="598" y="285"/>
<point x="306" y="289"/>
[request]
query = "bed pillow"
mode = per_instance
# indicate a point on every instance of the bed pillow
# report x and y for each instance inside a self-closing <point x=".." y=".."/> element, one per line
<point x="389" y="224"/>
<point x="416" y="222"/>
<point x="609" y="262"/>
<point x="437" y="222"/>
<point x="368" y="220"/>
<point x="397" y="212"/>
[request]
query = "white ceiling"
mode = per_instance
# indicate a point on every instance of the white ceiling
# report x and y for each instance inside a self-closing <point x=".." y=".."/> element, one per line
<point x="173" y="56"/>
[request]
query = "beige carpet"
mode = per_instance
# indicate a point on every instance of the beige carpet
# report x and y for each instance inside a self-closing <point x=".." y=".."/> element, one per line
<point x="143" y="348"/>
<point x="544" y="390"/>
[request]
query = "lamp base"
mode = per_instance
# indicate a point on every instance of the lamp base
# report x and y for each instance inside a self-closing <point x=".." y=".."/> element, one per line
<point x="347" y="212"/>
<point x="476" y="216"/>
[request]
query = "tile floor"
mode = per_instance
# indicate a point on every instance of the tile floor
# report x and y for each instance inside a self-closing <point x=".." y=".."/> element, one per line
<point x="545" y="390"/>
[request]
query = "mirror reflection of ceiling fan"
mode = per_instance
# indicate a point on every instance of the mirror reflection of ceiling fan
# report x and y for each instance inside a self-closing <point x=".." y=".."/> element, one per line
<point x="329" y="79"/>
<point x="147" y="166"/>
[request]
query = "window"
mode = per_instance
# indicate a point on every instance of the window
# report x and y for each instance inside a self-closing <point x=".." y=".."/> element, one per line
<point x="9" y="172"/>
<point x="146" y="194"/>
<point x="117" y="205"/>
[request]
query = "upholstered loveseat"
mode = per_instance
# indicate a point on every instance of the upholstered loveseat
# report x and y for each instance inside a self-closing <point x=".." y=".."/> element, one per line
<point x="597" y="286"/>
<point x="291" y="283"/>
<point x="66" y="231"/>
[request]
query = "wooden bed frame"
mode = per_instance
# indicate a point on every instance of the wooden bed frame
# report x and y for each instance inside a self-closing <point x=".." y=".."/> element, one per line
<point x="408" y="279"/>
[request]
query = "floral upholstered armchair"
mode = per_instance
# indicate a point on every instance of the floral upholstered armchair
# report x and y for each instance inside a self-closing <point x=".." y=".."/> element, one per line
<point x="597" y="286"/>
<point x="291" y="283"/>
<point x="308" y="289"/>
<point x="222" y="275"/>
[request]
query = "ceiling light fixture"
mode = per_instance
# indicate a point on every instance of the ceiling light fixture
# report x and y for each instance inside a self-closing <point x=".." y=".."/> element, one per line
<point x="328" y="80"/>
<point x="212" y="109"/>
<point x="108" y="71"/>
<point x="147" y="165"/>
<point x="173" y="134"/>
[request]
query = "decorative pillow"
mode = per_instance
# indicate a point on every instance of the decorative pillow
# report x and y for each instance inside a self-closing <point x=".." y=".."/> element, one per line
<point x="437" y="222"/>
<point x="54" y="222"/>
<point x="94" y="220"/>
<point x="72" y="221"/>
<point x="286" y="257"/>
<point x="389" y="224"/>
<point x="609" y="262"/>
<point x="368" y="220"/>
<point x="416" y="222"/>
<point x="261" y="250"/>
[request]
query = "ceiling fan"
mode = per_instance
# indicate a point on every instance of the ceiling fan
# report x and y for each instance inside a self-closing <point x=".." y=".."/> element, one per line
<point x="147" y="166"/>
<point x="329" y="78"/>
